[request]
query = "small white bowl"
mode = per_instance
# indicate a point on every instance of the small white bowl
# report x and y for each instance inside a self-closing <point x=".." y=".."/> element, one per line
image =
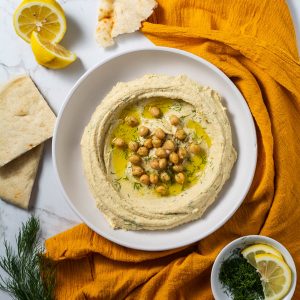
<point x="240" y="243"/>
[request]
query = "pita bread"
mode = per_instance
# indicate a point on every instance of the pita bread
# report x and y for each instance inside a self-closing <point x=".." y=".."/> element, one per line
<point x="121" y="16"/>
<point x="26" y="120"/>
<point x="17" y="177"/>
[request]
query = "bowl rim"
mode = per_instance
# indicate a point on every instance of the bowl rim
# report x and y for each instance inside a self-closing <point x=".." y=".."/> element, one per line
<point x="76" y="86"/>
<point x="261" y="239"/>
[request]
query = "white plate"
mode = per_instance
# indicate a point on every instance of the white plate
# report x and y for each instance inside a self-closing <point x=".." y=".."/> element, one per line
<point x="86" y="96"/>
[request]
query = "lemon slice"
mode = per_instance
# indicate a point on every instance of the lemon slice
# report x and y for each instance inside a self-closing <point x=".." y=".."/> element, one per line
<point x="43" y="16"/>
<point x="250" y="252"/>
<point x="50" y="55"/>
<point x="275" y="274"/>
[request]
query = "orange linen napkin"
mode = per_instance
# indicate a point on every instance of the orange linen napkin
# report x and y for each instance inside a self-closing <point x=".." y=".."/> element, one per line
<point x="253" y="42"/>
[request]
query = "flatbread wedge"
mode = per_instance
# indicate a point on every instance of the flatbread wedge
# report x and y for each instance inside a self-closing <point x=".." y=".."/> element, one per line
<point x="18" y="176"/>
<point x="26" y="120"/>
<point x="116" y="17"/>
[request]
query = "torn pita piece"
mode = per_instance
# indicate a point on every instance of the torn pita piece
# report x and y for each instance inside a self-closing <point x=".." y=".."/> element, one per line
<point x="26" y="120"/>
<point x="17" y="177"/>
<point x="121" y="16"/>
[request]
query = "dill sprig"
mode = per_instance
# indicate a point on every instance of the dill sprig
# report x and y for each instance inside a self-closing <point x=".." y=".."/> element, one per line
<point x="30" y="275"/>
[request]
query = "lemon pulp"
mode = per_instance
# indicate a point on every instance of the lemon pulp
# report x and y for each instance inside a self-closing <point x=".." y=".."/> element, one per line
<point x="275" y="275"/>
<point x="49" y="54"/>
<point x="43" y="16"/>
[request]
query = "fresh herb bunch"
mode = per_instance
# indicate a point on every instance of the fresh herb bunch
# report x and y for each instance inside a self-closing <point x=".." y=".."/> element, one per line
<point x="241" y="279"/>
<point x="30" y="274"/>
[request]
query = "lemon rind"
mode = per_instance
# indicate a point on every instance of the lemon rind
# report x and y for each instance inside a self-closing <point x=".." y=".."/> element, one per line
<point x="273" y="250"/>
<point x="54" y="61"/>
<point x="284" y="266"/>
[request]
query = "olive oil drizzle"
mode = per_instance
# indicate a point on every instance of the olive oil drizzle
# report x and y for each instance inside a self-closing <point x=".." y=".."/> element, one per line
<point x="119" y="156"/>
<point x="200" y="132"/>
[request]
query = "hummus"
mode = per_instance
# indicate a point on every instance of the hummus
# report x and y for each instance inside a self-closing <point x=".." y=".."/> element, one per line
<point x="157" y="152"/>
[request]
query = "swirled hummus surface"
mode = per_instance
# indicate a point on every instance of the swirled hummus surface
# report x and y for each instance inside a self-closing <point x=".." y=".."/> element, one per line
<point x="157" y="151"/>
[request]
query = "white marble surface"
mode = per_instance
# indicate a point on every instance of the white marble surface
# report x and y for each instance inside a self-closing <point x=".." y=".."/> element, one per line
<point x="16" y="58"/>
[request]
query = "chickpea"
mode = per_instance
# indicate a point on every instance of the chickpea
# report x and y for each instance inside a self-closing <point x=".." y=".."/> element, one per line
<point x="159" y="133"/>
<point x="135" y="159"/>
<point x="180" y="178"/>
<point x="180" y="134"/>
<point x="145" y="179"/>
<point x="161" y="189"/>
<point x="154" y="164"/>
<point x="161" y="153"/>
<point x="165" y="177"/>
<point x="174" y="120"/>
<point x="148" y="143"/>
<point x="174" y="158"/>
<point x="154" y="178"/>
<point x="182" y="153"/>
<point x="131" y="121"/>
<point x="133" y="146"/>
<point x="143" y="151"/>
<point x="119" y="142"/>
<point x="137" y="171"/>
<point x="143" y="130"/>
<point x="169" y="145"/>
<point x="162" y="163"/>
<point x="155" y="111"/>
<point x="194" y="148"/>
<point x="178" y="168"/>
<point x="156" y="142"/>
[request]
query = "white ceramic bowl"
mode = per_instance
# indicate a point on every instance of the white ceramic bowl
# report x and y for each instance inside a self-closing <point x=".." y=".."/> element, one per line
<point x="86" y="96"/>
<point x="243" y="242"/>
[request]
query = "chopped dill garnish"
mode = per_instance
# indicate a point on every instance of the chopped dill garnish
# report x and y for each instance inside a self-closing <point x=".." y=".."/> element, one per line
<point x="194" y="137"/>
<point x="117" y="184"/>
<point x="240" y="278"/>
<point x="137" y="139"/>
<point x="183" y="117"/>
<point x="147" y="158"/>
<point x="204" y="158"/>
<point x="137" y="185"/>
<point x="125" y="153"/>
<point x="176" y="106"/>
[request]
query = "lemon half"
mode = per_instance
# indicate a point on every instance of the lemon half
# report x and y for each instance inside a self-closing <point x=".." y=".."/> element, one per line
<point x="50" y="55"/>
<point x="275" y="274"/>
<point x="43" y="16"/>
<point x="250" y="252"/>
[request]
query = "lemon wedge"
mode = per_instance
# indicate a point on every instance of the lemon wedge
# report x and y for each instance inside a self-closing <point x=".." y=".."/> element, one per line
<point x="275" y="274"/>
<point x="250" y="252"/>
<point x="43" y="16"/>
<point x="50" y="55"/>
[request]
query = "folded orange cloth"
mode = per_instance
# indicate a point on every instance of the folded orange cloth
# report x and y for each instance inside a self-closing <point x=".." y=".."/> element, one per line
<point x="253" y="42"/>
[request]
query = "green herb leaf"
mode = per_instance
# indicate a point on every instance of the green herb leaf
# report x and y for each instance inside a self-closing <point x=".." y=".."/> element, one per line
<point x="241" y="279"/>
<point x="137" y="185"/>
<point x="117" y="184"/>
<point x="176" y="106"/>
<point x="183" y="117"/>
<point x="30" y="273"/>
